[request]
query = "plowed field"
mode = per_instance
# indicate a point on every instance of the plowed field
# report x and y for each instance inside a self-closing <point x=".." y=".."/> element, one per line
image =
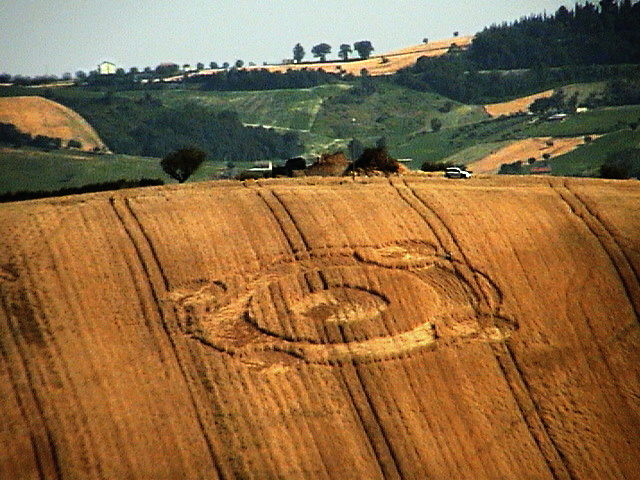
<point x="404" y="328"/>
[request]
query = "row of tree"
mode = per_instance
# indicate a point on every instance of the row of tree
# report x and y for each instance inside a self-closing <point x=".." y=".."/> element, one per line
<point x="364" y="49"/>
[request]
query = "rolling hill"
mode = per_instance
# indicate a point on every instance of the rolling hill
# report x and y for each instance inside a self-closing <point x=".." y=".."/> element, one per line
<point x="40" y="116"/>
<point x="376" y="65"/>
<point x="376" y="328"/>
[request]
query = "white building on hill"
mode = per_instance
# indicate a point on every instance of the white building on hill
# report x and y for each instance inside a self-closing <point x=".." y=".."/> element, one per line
<point x="107" y="68"/>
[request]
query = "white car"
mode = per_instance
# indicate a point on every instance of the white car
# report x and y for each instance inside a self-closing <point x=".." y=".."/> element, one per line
<point x="456" y="172"/>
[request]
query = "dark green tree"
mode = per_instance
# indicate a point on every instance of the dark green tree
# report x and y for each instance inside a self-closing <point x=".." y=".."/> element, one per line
<point x="181" y="164"/>
<point x="345" y="50"/>
<point x="364" y="48"/>
<point x="321" y="50"/>
<point x="298" y="53"/>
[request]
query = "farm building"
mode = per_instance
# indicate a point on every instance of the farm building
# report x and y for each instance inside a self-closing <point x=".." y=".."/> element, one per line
<point x="107" y="68"/>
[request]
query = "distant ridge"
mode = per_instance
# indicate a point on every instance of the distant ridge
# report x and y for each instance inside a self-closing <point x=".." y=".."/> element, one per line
<point x="376" y="65"/>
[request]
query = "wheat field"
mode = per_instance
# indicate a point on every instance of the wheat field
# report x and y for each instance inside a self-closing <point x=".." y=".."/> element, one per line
<point x="306" y="329"/>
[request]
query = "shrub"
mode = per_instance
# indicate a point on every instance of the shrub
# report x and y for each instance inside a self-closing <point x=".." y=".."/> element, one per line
<point x="435" y="166"/>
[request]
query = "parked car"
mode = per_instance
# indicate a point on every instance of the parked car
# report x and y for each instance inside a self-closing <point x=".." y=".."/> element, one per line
<point x="456" y="172"/>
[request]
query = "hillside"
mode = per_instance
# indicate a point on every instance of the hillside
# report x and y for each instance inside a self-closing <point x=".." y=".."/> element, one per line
<point x="376" y="65"/>
<point x="390" y="328"/>
<point x="523" y="150"/>
<point x="40" y="116"/>
<point x="517" y="105"/>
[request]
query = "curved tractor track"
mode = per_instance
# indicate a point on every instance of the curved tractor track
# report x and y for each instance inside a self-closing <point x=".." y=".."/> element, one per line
<point x="380" y="328"/>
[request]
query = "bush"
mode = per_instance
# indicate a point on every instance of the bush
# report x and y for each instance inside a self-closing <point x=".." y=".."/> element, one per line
<point x="514" y="168"/>
<point x="435" y="166"/>
<point x="622" y="165"/>
<point x="376" y="159"/>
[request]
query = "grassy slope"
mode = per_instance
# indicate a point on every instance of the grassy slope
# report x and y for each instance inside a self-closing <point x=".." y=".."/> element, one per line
<point x="30" y="170"/>
<point x="588" y="158"/>
<point x="453" y="143"/>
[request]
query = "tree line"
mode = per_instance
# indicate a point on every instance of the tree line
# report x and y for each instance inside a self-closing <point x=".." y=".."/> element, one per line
<point x="262" y="79"/>
<point x="12" y="135"/>
<point x="608" y="34"/>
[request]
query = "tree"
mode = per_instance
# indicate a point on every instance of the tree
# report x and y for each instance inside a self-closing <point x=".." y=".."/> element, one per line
<point x="239" y="63"/>
<point x="436" y="124"/>
<point x="167" y="69"/>
<point x="213" y="65"/>
<point x="345" y="50"/>
<point x="321" y="50"/>
<point x="298" y="53"/>
<point x="200" y="66"/>
<point x="364" y="48"/>
<point x="181" y="164"/>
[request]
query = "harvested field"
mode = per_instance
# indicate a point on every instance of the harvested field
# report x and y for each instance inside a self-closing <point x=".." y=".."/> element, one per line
<point x="316" y="328"/>
<point x="518" y="105"/>
<point x="41" y="116"/>
<point x="523" y="150"/>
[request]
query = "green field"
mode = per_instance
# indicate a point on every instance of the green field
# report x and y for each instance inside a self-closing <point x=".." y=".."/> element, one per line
<point x="586" y="160"/>
<point x="33" y="170"/>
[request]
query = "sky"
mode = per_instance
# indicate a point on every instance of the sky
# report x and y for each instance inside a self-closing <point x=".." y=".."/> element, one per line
<point x="53" y="37"/>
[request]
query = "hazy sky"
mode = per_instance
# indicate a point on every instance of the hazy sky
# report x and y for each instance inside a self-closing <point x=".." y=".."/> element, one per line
<point x="56" y="36"/>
